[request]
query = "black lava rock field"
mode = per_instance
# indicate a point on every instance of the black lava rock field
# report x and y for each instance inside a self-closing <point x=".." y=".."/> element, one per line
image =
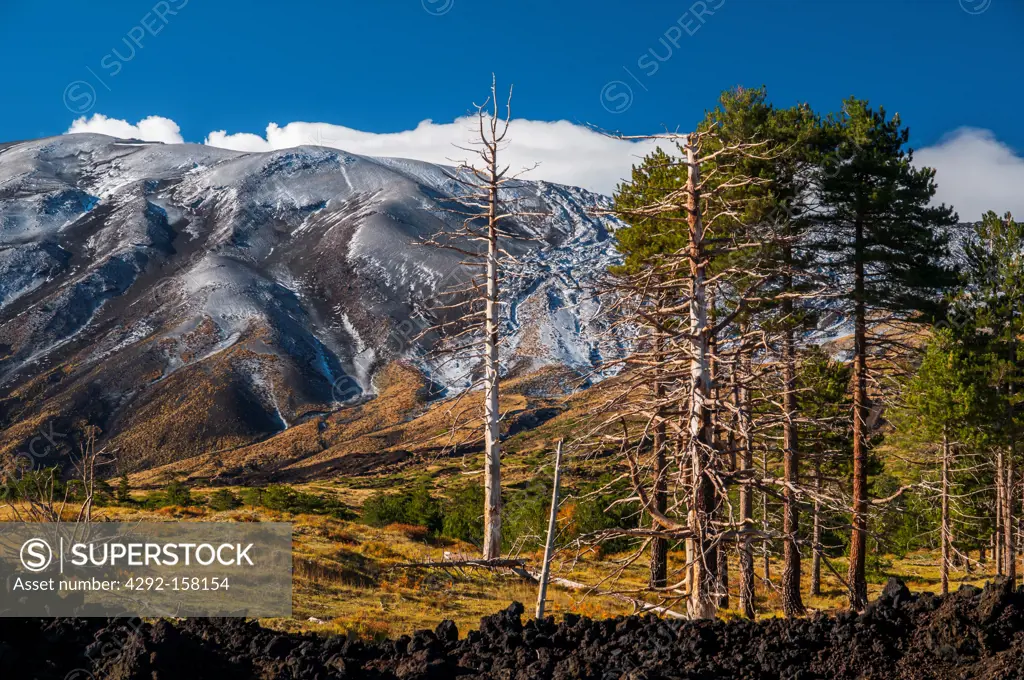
<point x="972" y="633"/>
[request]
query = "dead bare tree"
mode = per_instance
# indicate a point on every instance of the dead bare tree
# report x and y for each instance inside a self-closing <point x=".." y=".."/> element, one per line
<point x="488" y="215"/>
<point x="42" y="495"/>
<point x="688" y="301"/>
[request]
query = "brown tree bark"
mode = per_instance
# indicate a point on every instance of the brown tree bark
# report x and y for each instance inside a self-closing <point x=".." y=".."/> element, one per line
<point x="792" y="604"/>
<point x="1000" y="505"/>
<point x="659" y="546"/>
<point x="944" y="569"/>
<point x="1009" y="550"/>
<point x="765" y="544"/>
<point x="746" y="443"/>
<point x="856" y="577"/>
<point x="816" y="536"/>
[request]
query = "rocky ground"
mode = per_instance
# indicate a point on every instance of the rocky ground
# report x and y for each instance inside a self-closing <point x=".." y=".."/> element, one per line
<point x="972" y="633"/>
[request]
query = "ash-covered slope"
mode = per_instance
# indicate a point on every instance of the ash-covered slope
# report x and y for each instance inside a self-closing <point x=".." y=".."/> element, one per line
<point x="189" y="299"/>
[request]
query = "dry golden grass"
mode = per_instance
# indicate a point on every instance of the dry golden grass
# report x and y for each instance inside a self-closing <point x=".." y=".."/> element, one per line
<point x="346" y="578"/>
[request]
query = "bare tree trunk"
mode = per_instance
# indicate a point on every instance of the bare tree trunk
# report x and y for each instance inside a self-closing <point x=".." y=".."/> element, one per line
<point x="765" y="551"/>
<point x="944" y="569"/>
<point x="722" y="568"/>
<point x="703" y="601"/>
<point x="686" y="475"/>
<point x="723" y="577"/>
<point x="792" y="604"/>
<point x="743" y="407"/>
<point x="856" y="578"/>
<point x="816" y="536"/>
<point x="659" y="545"/>
<point x="549" y="545"/>
<point x="492" y="443"/>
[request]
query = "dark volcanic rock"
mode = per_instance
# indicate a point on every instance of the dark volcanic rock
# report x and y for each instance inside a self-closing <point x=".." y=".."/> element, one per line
<point x="970" y="634"/>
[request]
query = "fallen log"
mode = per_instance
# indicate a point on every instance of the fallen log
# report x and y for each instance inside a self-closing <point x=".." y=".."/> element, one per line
<point x="641" y="605"/>
<point x="518" y="567"/>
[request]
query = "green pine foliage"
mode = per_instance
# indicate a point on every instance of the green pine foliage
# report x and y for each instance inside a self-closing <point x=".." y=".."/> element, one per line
<point x="992" y="308"/>
<point x="876" y="213"/>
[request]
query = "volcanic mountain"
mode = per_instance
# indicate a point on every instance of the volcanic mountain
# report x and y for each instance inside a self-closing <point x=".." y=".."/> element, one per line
<point x="190" y="300"/>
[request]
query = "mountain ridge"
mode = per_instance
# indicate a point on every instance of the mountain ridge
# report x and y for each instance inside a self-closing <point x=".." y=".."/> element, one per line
<point x="189" y="299"/>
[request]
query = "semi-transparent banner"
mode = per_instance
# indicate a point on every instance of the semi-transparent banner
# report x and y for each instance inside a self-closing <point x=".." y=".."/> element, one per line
<point x="146" y="569"/>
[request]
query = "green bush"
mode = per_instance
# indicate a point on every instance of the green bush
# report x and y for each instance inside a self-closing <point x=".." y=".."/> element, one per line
<point x="286" y="499"/>
<point x="593" y="514"/>
<point x="463" y="515"/>
<point x="27" y="484"/>
<point x="416" y="507"/>
<point x="223" y="499"/>
<point x="175" y="493"/>
<point x="525" y="514"/>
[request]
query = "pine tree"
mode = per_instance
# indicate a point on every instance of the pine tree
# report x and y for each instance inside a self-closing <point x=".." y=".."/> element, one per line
<point x="123" y="489"/>
<point x="942" y="409"/>
<point x="886" y="246"/>
<point x="993" y="300"/>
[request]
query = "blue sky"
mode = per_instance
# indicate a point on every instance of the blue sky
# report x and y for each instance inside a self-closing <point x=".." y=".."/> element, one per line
<point x="385" y="65"/>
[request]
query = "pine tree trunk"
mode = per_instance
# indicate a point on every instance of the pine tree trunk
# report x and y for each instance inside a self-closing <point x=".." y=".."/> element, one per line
<point x="765" y="543"/>
<point x="492" y="443"/>
<point x="1009" y="551"/>
<point x="723" y="577"/>
<point x="792" y="604"/>
<point x="1000" y="505"/>
<point x="702" y="603"/>
<point x="944" y="569"/>
<point x="816" y="537"/>
<point x="1011" y="570"/>
<point x="659" y="546"/>
<point x="743" y="408"/>
<point x="856" y="578"/>
<point x="722" y="568"/>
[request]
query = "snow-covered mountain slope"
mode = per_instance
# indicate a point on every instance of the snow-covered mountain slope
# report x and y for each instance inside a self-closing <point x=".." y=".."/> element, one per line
<point x="189" y="299"/>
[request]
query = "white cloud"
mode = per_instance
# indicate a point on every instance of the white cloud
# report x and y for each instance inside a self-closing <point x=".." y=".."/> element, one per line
<point x="975" y="173"/>
<point x="151" y="129"/>
<point x="566" y="153"/>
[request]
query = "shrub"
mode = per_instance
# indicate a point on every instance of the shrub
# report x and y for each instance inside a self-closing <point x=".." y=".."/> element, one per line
<point x="416" y="507"/>
<point x="463" y="515"/>
<point x="593" y="514"/>
<point x="286" y="499"/>
<point x="223" y="499"/>
<point x="175" y="493"/>
<point x="382" y="509"/>
<point x="525" y="517"/>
